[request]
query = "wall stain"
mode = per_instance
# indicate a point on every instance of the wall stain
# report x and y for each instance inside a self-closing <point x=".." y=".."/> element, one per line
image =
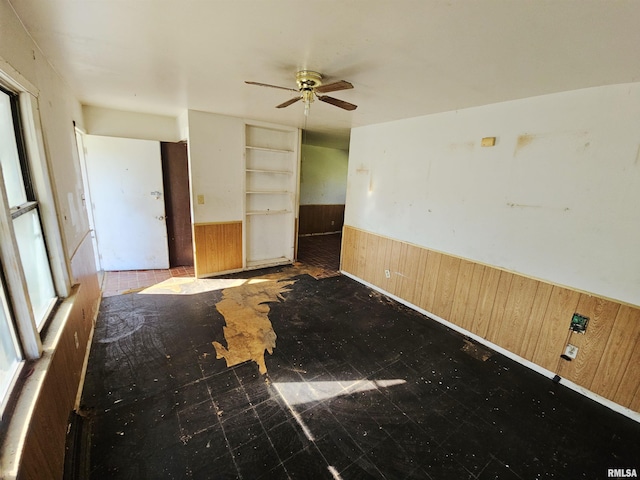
<point x="523" y="141"/>
<point x="248" y="331"/>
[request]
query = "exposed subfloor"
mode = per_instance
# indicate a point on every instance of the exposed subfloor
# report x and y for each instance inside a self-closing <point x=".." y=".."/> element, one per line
<point x="357" y="386"/>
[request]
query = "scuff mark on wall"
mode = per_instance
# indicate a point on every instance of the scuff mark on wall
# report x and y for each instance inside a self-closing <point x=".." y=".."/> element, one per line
<point x="468" y="146"/>
<point x="521" y="205"/>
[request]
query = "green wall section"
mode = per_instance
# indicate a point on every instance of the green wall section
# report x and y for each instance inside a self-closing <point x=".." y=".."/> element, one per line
<point x="323" y="176"/>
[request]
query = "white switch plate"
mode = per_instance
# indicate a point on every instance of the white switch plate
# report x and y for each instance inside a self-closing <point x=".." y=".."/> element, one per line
<point x="571" y="351"/>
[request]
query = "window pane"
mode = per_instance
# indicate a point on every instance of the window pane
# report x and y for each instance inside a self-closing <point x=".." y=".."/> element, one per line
<point x="9" y="159"/>
<point x="35" y="263"/>
<point x="9" y="354"/>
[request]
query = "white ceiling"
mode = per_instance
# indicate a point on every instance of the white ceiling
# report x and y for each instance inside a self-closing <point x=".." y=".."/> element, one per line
<point x="404" y="58"/>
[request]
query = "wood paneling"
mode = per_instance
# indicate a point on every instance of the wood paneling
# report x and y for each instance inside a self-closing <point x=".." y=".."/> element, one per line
<point x="430" y="280"/>
<point x="44" y="447"/>
<point x="601" y="314"/>
<point x="628" y="392"/>
<point x="446" y="285"/>
<point x="411" y="268"/>
<point x="526" y="316"/>
<point x="321" y="218"/>
<point x="555" y="327"/>
<point x="218" y="247"/>
<point x="474" y="289"/>
<point x="462" y="292"/>
<point x="499" y="306"/>
<point x="618" y="352"/>
<point x="510" y="330"/>
<point x="487" y="297"/>
<point x="534" y="324"/>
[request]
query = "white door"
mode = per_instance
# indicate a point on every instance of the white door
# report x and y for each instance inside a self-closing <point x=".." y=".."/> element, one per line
<point x="125" y="179"/>
<point x="80" y="136"/>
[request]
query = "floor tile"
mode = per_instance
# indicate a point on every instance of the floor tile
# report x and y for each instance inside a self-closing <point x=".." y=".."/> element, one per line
<point x="357" y="386"/>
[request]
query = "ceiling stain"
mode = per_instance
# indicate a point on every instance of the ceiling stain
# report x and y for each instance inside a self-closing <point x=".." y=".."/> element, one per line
<point x="248" y="331"/>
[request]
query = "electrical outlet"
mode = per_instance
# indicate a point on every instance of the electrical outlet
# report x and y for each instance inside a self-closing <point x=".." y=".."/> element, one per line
<point x="387" y="273"/>
<point x="200" y="199"/>
<point x="571" y="351"/>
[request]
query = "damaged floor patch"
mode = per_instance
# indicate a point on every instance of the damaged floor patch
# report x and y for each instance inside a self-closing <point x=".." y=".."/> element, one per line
<point x="248" y="330"/>
<point x="476" y="351"/>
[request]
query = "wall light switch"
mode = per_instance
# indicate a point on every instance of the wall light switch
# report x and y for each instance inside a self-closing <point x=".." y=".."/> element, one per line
<point x="488" y="141"/>
<point x="200" y="199"/>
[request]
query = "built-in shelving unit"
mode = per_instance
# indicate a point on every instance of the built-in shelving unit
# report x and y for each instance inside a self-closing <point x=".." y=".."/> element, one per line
<point x="271" y="194"/>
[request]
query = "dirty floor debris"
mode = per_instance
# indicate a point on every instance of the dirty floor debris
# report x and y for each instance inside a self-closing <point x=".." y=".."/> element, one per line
<point x="357" y="386"/>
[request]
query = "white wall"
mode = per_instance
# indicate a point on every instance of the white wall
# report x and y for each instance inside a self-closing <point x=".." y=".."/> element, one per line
<point x="58" y="109"/>
<point x="118" y="123"/>
<point x="216" y="146"/>
<point x="557" y="198"/>
<point x="323" y="176"/>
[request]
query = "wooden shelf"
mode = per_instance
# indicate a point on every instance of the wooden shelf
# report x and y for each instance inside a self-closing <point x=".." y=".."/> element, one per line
<point x="266" y="149"/>
<point x="268" y="212"/>
<point x="264" y="170"/>
<point x="271" y="174"/>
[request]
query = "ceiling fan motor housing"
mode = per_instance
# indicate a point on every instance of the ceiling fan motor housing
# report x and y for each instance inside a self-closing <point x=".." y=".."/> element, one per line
<point x="308" y="80"/>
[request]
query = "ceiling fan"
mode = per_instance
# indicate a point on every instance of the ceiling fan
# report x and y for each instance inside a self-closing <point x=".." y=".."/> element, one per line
<point x="309" y="87"/>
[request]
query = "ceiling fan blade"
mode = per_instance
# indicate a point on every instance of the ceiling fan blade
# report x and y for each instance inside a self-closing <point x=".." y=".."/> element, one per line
<point x="271" y="86"/>
<point x="334" y="87"/>
<point x="337" y="103"/>
<point x="289" y="102"/>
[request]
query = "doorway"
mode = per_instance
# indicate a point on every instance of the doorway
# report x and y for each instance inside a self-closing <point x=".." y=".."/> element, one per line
<point x="175" y="172"/>
<point x="140" y="198"/>
<point x="323" y="186"/>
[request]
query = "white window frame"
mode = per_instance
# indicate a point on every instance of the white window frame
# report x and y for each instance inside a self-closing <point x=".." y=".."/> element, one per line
<point x="25" y="327"/>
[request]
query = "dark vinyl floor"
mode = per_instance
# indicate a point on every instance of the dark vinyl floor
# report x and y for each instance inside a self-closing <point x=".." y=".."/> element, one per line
<point x="322" y="251"/>
<point x="357" y="387"/>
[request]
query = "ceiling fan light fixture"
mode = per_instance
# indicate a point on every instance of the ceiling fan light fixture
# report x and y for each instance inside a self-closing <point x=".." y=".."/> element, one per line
<point x="308" y="79"/>
<point x="309" y="87"/>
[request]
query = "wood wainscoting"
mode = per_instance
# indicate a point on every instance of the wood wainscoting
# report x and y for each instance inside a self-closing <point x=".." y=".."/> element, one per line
<point x="525" y="316"/>
<point x="217" y="247"/>
<point x="320" y="219"/>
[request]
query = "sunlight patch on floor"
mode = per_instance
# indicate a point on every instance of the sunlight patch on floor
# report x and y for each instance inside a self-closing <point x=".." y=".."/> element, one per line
<point x="193" y="286"/>
<point x="297" y="393"/>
